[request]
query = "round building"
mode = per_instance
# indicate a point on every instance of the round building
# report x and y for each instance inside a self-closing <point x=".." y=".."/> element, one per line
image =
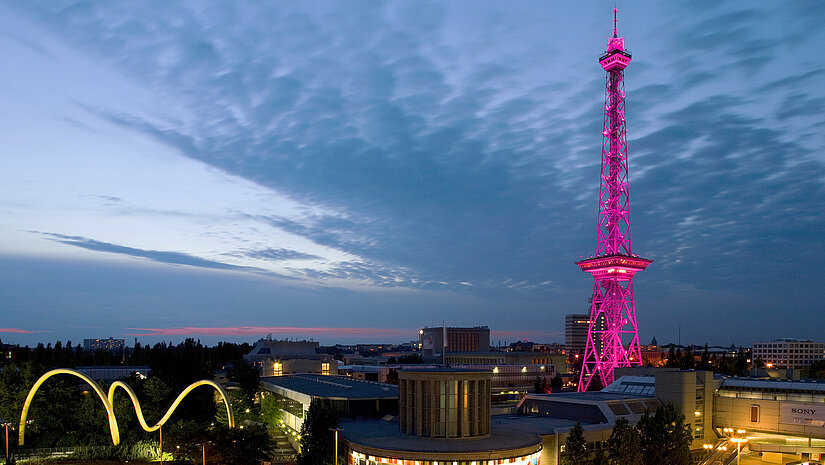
<point x="444" y="418"/>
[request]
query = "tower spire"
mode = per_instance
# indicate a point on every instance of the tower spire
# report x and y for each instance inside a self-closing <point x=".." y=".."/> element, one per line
<point x="613" y="336"/>
<point x="615" y="23"/>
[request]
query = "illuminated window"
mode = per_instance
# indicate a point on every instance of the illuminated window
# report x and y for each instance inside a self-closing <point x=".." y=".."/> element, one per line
<point x="325" y="368"/>
<point x="277" y="369"/>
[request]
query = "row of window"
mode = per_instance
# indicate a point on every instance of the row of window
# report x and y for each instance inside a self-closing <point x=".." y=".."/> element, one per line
<point x="785" y="346"/>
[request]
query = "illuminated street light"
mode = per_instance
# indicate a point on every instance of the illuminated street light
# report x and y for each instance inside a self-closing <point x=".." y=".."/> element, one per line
<point x="336" y="430"/>
<point x="6" y="426"/>
<point x="737" y="439"/>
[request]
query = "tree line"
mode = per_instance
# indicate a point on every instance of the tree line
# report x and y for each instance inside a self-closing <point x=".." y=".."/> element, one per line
<point x="662" y="438"/>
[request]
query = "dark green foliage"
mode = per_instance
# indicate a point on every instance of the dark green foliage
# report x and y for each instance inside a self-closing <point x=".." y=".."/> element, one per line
<point x="575" y="447"/>
<point x="539" y="386"/>
<point x="246" y="445"/>
<point x="556" y="383"/>
<point x="242" y="446"/>
<point x="317" y="446"/>
<point x="271" y="410"/>
<point x="816" y="370"/>
<point x="665" y="439"/>
<point x="624" y="444"/>
<point x="672" y="357"/>
<point x="64" y="415"/>
<point x="141" y="450"/>
<point x="392" y="376"/>
<point x="248" y="377"/>
<point x="242" y="408"/>
<point x="704" y="364"/>
<point x="410" y="359"/>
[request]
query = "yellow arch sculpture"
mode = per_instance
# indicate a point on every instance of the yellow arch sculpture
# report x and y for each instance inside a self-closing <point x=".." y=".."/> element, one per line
<point x="108" y="402"/>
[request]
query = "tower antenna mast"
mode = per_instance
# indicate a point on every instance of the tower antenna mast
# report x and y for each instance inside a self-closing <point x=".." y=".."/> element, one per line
<point x="613" y="336"/>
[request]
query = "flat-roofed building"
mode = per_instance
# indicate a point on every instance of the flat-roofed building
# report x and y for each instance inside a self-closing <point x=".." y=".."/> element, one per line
<point x="109" y="345"/>
<point x="349" y="397"/>
<point x="789" y="353"/>
<point x="433" y="345"/>
<point x="282" y="357"/>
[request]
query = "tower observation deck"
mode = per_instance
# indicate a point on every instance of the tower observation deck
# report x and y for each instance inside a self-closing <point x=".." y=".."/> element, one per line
<point x="615" y="343"/>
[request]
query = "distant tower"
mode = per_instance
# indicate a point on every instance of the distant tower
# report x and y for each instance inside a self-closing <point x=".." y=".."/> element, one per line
<point x="613" y="311"/>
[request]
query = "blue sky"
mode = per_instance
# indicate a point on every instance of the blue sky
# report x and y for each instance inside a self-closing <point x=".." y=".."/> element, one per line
<point x="224" y="170"/>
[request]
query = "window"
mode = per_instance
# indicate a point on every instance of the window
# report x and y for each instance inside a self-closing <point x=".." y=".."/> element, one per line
<point x="325" y="368"/>
<point x="754" y="414"/>
<point x="277" y="369"/>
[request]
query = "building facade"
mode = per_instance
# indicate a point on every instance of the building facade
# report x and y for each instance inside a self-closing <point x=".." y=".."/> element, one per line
<point x="575" y="332"/>
<point x="789" y="353"/>
<point x="277" y="358"/>
<point x="109" y="345"/>
<point x="433" y="346"/>
<point x="444" y="418"/>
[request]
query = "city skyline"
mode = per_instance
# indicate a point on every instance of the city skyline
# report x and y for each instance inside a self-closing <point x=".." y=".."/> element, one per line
<point x="329" y="171"/>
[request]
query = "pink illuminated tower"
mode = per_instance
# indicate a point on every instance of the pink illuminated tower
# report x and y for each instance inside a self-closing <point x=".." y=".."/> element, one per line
<point x="613" y="338"/>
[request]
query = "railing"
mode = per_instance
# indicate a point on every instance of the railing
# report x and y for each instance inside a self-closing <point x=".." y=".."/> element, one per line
<point x="47" y="452"/>
<point x="723" y="453"/>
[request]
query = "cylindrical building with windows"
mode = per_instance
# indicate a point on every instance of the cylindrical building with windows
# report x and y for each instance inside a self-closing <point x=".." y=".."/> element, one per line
<point x="444" y="402"/>
<point x="444" y="418"/>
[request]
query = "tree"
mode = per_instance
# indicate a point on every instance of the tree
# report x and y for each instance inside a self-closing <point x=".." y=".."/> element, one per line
<point x="316" y="438"/>
<point x="816" y="370"/>
<point x="575" y="447"/>
<point x="392" y="376"/>
<point x="539" y="386"/>
<point x="248" y="377"/>
<point x="245" y="445"/>
<point x="624" y="444"/>
<point x="272" y="411"/>
<point x="556" y="383"/>
<point x="671" y="357"/>
<point x="240" y="404"/>
<point x="665" y="437"/>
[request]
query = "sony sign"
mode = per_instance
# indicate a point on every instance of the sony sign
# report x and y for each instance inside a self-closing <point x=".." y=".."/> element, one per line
<point x="802" y="414"/>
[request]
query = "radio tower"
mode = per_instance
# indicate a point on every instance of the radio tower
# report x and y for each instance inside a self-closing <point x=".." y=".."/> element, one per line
<point x="613" y="311"/>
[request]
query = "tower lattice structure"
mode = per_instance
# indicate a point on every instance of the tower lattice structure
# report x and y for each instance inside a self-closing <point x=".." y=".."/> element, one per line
<point x="613" y="310"/>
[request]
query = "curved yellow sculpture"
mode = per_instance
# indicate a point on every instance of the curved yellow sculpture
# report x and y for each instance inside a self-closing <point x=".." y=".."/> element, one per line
<point x="108" y="402"/>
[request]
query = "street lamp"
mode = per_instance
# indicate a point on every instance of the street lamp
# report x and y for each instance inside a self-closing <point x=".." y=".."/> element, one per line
<point x="708" y="448"/>
<point x="737" y="439"/>
<point x="336" y="442"/>
<point x="6" y="425"/>
<point x="203" y="450"/>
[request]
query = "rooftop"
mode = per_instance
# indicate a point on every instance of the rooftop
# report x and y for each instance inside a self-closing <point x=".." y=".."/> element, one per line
<point x="506" y="433"/>
<point x="773" y="385"/>
<point x="331" y="387"/>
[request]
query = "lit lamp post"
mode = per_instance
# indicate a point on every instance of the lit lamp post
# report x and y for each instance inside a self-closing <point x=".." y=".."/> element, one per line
<point x="737" y="439"/>
<point x="336" y="442"/>
<point x="6" y="426"/>
<point x="708" y="448"/>
<point x="203" y="450"/>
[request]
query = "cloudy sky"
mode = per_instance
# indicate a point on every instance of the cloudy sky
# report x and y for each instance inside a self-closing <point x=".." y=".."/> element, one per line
<point x="353" y="171"/>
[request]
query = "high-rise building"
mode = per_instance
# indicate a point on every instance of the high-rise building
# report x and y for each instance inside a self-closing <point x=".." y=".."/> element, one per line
<point x="575" y="332"/>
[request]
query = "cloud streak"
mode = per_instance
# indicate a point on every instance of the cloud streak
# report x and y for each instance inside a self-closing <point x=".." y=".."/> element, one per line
<point x="275" y="330"/>
<point x="22" y="331"/>
<point x="172" y="258"/>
